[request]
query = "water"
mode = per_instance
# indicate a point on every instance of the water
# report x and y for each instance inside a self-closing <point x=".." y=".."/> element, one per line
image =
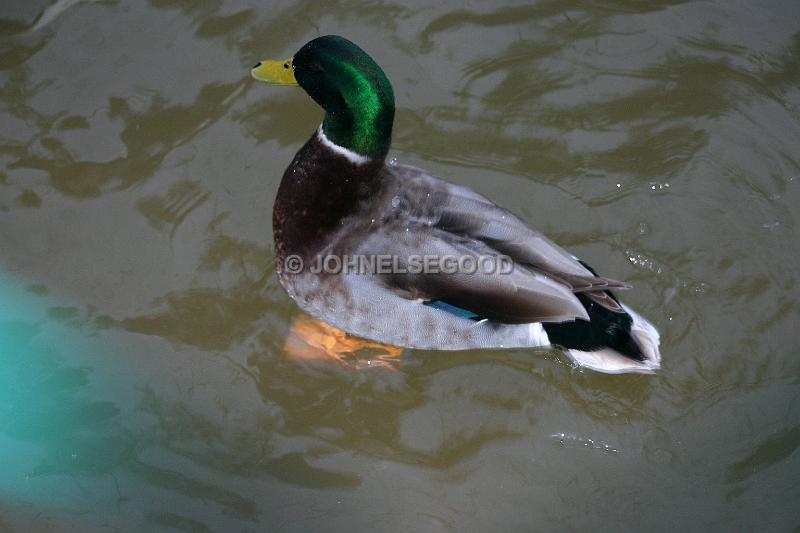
<point x="144" y="383"/>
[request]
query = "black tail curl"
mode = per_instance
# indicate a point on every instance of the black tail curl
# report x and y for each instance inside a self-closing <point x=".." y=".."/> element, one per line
<point x="605" y="328"/>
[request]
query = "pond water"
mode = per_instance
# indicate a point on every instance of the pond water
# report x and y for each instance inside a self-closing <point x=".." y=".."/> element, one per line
<point x="144" y="383"/>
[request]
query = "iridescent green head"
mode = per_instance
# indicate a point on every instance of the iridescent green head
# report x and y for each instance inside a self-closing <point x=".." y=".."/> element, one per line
<point x="355" y="93"/>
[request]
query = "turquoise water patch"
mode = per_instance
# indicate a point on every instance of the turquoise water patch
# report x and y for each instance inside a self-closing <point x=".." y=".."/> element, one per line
<point x="57" y="432"/>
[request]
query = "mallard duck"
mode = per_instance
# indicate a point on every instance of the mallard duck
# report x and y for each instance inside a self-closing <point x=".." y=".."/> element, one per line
<point x="339" y="203"/>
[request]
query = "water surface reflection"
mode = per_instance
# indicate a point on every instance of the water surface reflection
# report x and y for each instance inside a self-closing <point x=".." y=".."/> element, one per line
<point x="145" y="380"/>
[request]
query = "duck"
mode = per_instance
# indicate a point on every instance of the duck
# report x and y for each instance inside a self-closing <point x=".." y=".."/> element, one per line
<point x="340" y="205"/>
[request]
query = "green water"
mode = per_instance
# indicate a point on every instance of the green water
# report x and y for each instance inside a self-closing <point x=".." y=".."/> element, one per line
<point x="143" y="382"/>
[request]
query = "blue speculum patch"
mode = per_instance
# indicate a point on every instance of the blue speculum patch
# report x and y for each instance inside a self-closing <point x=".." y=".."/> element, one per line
<point x="453" y="310"/>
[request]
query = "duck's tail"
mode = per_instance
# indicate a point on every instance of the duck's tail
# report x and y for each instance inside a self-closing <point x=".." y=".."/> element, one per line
<point x="637" y="353"/>
<point x="614" y="343"/>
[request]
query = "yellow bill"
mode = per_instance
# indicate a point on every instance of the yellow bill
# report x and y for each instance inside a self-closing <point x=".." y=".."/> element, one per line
<point x="275" y="72"/>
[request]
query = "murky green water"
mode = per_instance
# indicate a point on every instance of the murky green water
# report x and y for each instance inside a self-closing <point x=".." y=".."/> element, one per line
<point x="143" y="383"/>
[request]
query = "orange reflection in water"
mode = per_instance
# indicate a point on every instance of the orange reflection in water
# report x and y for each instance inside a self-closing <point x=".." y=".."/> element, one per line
<point x="310" y="339"/>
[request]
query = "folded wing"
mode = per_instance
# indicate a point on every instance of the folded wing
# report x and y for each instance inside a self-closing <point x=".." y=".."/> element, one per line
<point x="460" y="211"/>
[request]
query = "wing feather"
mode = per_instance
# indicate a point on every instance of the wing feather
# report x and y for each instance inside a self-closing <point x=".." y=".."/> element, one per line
<point x="460" y="211"/>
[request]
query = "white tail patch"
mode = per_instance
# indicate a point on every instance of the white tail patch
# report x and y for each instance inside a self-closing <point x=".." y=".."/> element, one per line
<point x="612" y="362"/>
<point x="537" y="336"/>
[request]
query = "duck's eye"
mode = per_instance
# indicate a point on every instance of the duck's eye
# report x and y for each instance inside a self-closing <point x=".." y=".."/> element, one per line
<point x="286" y="65"/>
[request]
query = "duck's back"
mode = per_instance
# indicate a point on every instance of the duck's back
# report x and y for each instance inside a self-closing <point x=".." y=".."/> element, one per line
<point x="367" y="290"/>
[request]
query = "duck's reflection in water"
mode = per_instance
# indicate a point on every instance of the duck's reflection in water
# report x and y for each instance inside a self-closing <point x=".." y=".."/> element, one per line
<point x="310" y="339"/>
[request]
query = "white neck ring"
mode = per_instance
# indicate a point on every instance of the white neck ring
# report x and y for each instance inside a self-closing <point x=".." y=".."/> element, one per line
<point x="350" y="155"/>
